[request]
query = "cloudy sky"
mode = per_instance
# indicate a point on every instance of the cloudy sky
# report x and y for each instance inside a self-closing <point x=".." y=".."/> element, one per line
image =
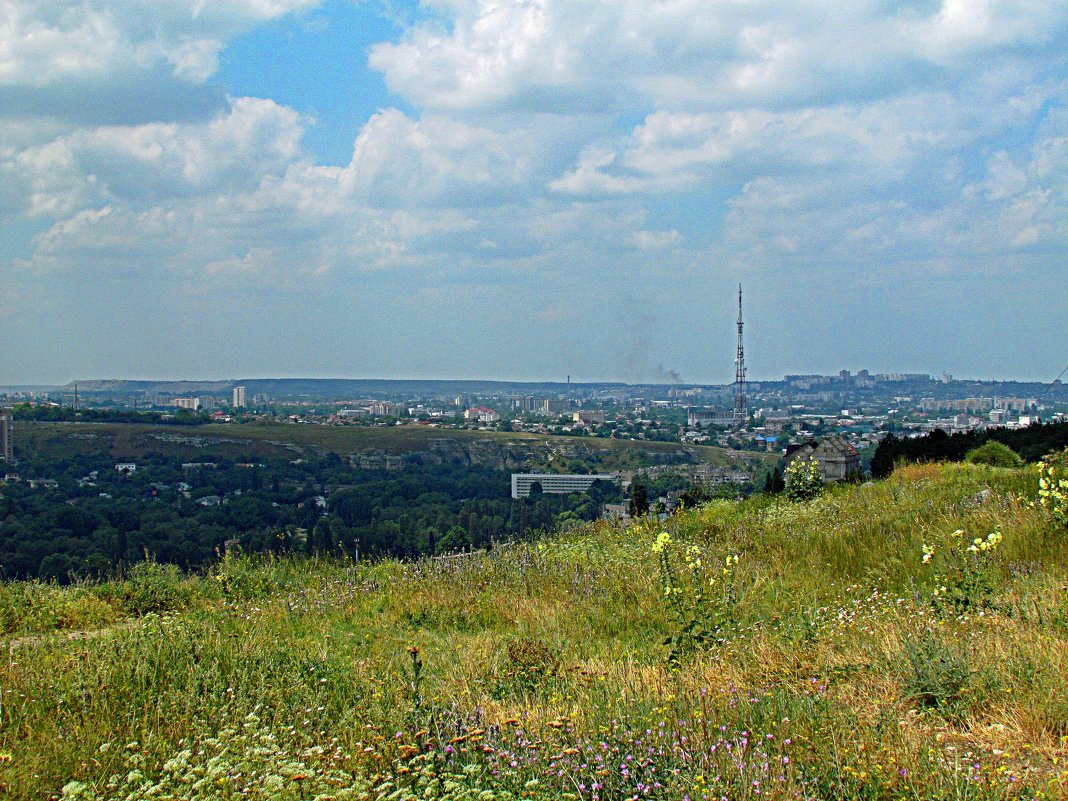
<point x="525" y="189"/>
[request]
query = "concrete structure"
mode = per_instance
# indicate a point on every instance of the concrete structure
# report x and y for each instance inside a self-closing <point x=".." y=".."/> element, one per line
<point x="7" y="437"/>
<point x="708" y="417"/>
<point x="838" y="460"/>
<point x="239" y="398"/>
<point x="556" y="483"/>
<point x="192" y="404"/>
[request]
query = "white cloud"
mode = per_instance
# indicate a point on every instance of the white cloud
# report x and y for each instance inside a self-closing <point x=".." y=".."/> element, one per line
<point x="154" y="162"/>
<point x="397" y="160"/>
<point x="41" y="43"/>
<point x="675" y="54"/>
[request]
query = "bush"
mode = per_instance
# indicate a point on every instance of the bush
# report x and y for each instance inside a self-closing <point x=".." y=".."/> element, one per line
<point x="152" y="587"/>
<point x="994" y="454"/>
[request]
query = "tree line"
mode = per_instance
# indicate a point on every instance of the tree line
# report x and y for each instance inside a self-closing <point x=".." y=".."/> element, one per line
<point x="98" y="525"/>
<point x="1031" y="443"/>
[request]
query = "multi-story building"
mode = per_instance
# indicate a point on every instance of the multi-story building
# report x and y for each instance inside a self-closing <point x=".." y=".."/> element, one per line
<point x="7" y="437"/>
<point x="385" y="409"/>
<point x="556" y="483"/>
<point x="192" y="404"/>
<point x="711" y="476"/>
<point x="239" y="398"/>
<point x="482" y="414"/>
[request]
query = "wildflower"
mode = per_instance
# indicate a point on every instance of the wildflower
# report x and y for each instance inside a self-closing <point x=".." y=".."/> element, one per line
<point x="663" y="540"/>
<point x="928" y="552"/>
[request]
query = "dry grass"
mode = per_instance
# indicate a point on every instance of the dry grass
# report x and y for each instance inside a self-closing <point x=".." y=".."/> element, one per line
<point x="543" y="667"/>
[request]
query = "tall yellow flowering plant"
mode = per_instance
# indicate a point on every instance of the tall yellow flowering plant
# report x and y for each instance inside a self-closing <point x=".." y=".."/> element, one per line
<point x="964" y="571"/>
<point x="1053" y="486"/>
<point x="700" y="595"/>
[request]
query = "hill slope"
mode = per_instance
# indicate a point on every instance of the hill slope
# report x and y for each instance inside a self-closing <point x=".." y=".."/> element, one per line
<point x="54" y="441"/>
<point x="826" y="661"/>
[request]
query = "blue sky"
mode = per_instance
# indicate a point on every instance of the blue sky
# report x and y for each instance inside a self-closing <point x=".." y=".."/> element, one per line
<point x="528" y="189"/>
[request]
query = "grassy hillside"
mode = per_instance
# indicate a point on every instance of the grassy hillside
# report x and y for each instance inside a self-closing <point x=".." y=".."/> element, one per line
<point x="755" y="650"/>
<point x="53" y="441"/>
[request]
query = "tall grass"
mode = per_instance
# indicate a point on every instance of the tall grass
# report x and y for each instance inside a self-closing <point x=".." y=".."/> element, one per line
<point x="544" y="672"/>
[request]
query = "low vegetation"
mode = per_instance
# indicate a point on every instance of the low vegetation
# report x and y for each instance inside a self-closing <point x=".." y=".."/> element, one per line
<point x="906" y="639"/>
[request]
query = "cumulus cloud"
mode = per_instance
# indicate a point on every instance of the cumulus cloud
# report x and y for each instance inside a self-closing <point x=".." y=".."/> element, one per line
<point x="122" y="61"/>
<point x="154" y="162"/>
<point x="42" y="43"/>
<point x="676" y="54"/>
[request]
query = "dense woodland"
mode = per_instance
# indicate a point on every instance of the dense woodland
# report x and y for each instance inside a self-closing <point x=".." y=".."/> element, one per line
<point x="1031" y="443"/>
<point x="68" y="414"/>
<point x="97" y="520"/>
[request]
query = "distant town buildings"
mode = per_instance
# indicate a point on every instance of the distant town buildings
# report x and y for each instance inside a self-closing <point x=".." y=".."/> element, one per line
<point x="239" y="398"/>
<point x="556" y="483"/>
<point x="482" y="414"/>
<point x="384" y="409"/>
<point x="588" y="416"/>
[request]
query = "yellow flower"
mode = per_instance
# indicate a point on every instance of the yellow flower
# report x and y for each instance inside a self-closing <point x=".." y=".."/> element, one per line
<point x="663" y="540"/>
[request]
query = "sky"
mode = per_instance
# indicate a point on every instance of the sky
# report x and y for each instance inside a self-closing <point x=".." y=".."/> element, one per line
<point x="531" y="189"/>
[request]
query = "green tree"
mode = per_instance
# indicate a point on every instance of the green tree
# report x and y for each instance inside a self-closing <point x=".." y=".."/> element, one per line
<point x="639" y="501"/>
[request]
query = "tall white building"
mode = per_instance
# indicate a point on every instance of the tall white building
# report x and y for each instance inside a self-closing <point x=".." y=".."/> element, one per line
<point x="239" y="398"/>
<point x="7" y="437"/>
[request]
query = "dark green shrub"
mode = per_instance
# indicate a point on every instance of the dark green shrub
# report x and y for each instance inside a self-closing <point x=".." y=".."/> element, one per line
<point x="994" y="454"/>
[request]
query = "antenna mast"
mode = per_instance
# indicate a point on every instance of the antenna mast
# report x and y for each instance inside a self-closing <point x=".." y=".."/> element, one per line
<point x="741" y="403"/>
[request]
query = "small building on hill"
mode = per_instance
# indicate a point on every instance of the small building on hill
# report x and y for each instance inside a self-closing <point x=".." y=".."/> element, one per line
<point x="838" y="460"/>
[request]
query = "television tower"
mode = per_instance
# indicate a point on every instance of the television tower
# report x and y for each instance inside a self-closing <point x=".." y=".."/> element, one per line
<point x="741" y="403"/>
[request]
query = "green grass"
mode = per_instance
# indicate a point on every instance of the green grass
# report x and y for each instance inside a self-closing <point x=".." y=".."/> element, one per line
<point x="540" y="670"/>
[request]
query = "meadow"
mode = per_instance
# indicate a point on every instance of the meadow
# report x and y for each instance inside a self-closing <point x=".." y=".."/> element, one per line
<point x="905" y="639"/>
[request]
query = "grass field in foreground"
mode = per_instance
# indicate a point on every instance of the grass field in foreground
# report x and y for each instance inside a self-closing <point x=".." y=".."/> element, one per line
<point x="609" y="662"/>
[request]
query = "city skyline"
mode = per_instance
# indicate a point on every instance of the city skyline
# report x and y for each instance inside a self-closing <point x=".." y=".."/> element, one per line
<point x="529" y="190"/>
